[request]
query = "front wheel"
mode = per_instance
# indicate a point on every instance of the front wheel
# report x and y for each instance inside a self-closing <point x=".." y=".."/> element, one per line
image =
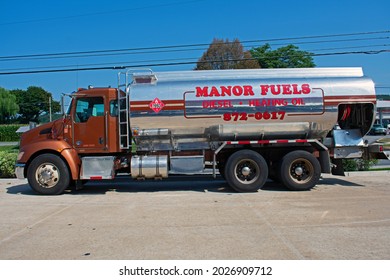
<point x="300" y="171"/>
<point x="48" y="174"/>
<point x="246" y="171"/>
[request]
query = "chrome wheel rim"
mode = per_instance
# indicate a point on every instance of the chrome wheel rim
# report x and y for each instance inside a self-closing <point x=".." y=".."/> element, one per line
<point x="301" y="171"/>
<point x="47" y="175"/>
<point x="246" y="171"/>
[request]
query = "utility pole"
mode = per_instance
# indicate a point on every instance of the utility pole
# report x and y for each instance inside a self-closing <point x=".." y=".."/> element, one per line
<point x="50" y="108"/>
<point x="62" y="104"/>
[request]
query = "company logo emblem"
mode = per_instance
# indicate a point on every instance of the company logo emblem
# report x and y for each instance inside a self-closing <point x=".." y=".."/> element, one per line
<point x="156" y="105"/>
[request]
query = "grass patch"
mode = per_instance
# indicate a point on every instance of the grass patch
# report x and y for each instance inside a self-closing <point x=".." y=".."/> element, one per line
<point x="9" y="149"/>
<point x="380" y="169"/>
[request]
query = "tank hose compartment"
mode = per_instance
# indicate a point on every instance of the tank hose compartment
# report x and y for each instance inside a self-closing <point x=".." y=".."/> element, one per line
<point x="356" y="116"/>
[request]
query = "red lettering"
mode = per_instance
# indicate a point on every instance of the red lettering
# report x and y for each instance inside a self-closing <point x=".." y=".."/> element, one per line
<point x="253" y="103"/>
<point x="306" y="89"/>
<point x="244" y="116"/>
<point x="264" y="89"/>
<point x="224" y="104"/>
<point x="275" y="89"/>
<point x="297" y="101"/>
<point x="286" y="89"/>
<point x="202" y="92"/>
<point x="248" y="90"/>
<point x="295" y="89"/>
<point x="237" y="90"/>
<point x="279" y="102"/>
<point x="208" y="104"/>
<point x="272" y="102"/>
<point x="226" y="90"/>
<point x="214" y="92"/>
<point x="217" y="104"/>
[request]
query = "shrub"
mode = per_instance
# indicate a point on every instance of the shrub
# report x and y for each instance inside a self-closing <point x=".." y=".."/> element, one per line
<point x="358" y="164"/>
<point x="8" y="132"/>
<point x="349" y="165"/>
<point x="365" y="165"/>
<point x="7" y="164"/>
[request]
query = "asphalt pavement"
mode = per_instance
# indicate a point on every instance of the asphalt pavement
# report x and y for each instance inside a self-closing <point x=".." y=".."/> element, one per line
<point x="198" y="218"/>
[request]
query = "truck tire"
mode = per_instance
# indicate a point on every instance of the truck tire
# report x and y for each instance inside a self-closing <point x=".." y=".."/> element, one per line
<point x="48" y="174"/>
<point x="300" y="171"/>
<point x="246" y="171"/>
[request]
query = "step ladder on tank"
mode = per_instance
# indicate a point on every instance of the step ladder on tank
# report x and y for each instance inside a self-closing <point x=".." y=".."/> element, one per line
<point x="125" y="81"/>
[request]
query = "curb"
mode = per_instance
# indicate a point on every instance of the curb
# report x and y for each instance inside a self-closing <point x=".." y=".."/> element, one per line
<point x="366" y="173"/>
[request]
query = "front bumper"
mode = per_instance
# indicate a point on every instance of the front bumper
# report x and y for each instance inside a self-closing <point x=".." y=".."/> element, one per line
<point x="19" y="170"/>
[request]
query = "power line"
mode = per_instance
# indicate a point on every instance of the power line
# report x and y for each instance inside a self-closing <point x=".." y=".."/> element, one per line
<point x="175" y="48"/>
<point x="103" y="63"/>
<point x="371" y="52"/>
<point x="182" y="48"/>
<point x="168" y="60"/>
<point x="80" y="66"/>
<point x="352" y="47"/>
<point x="106" y="53"/>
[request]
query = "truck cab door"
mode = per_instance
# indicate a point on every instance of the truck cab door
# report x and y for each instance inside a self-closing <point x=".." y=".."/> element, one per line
<point x="89" y="125"/>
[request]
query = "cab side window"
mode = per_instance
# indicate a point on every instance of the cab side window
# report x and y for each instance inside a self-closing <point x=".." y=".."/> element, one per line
<point x="114" y="108"/>
<point x="87" y="107"/>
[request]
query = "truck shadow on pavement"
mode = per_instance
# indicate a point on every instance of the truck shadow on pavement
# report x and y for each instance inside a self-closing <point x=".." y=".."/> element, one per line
<point x="21" y="189"/>
<point x="180" y="183"/>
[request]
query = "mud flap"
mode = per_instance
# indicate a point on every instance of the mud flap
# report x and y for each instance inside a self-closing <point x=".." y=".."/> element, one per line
<point x="337" y="168"/>
<point x="325" y="162"/>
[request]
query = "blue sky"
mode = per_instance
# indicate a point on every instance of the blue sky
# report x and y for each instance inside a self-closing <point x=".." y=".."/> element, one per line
<point x="47" y="27"/>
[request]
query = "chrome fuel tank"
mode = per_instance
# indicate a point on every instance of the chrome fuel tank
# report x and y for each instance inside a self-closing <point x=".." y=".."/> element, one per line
<point x="244" y="104"/>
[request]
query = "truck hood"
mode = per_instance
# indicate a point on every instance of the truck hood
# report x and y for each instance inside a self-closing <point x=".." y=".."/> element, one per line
<point x="36" y="134"/>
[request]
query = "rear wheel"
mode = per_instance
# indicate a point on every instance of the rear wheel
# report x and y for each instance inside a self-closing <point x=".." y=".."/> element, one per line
<point x="300" y="171"/>
<point x="246" y="171"/>
<point x="48" y="174"/>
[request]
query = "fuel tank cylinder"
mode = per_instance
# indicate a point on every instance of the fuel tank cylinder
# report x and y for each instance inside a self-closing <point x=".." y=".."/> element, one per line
<point x="149" y="166"/>
<point x="246" y="104"/>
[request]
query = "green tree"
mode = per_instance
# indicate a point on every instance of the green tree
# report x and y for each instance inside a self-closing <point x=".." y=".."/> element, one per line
<point x="226" y="55"/>
<point x="33" y="102"/>
<point x="284" y="57"/>
<point x="8" y="106"/>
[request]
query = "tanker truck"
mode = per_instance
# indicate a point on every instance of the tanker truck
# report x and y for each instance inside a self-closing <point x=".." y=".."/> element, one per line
<point x="289" y="125"/>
